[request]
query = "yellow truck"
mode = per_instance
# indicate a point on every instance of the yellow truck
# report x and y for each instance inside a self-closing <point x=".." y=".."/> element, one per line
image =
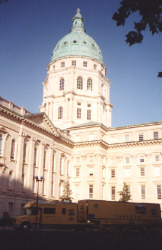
<point x="63" y="215"/>
<point x="115" y="214"/>
<point x="89" y="215"/>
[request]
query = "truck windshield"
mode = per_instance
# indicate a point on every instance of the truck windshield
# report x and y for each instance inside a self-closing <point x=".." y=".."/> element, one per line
<point x="30" y="211"/>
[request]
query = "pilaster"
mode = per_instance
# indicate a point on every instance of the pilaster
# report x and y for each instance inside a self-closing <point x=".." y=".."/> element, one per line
<point x="41" y="162"/>
<point x="49" y="175"/>
<point x="31" y="164"/>
<point x="19" y="166"/>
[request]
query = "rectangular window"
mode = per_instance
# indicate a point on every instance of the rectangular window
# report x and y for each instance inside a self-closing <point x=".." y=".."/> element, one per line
<point x="140" y="209"/>
<point x="143" y="195"/>
<point x="127" y="160"/>
<point x="158" y="192"/>
<point x="90" y="171"/>
<point x="141" y="159"/>
<point x="112" y="173"/>
<point x="73" y="63"/>
<point x="157" y="157"/>
<point x="77" y="173"/>
<point x="141" y="138"/>
<point x="91" y="191"/>
<point x="63" y="210"/>
<point x="49" y="210"/>
<point x="12" y="149"/>
<point x="142" y="171"/>
<point x="78" y="113"/>
<point x="113" y="193"/>
<point x="95" y="66"/>
<point x="78" y="103"/>
<point x="91" y="158"/>
<point x="62" y="64"/>
<point x="155" y="135"/>
<point x="85" y="64"/>
<point x="88" y="114"/>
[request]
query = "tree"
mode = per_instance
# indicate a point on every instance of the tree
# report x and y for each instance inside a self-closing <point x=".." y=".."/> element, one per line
<point x="151" y="16"/>
<point x="66" y="192"/>
<point x="125" y="194"/>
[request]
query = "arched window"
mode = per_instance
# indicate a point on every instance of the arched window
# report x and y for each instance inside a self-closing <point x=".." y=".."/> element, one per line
<point x="1" y="144"/>
<point x="61" y="86"/>
<point x="13" y="149"/>
<point x="89" y="84"/>
<point x="79" y="83"/>
<point x="60" y="112"/>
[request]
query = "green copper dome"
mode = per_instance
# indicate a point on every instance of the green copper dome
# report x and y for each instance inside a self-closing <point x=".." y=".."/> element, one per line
<point x="77" y="42"/>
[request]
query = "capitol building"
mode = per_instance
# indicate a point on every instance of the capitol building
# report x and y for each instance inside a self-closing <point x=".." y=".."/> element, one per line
<point x="72" y="139"/>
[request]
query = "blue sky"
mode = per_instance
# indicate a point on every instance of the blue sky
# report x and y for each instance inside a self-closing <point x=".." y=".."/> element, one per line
<point x="29" y="31"/>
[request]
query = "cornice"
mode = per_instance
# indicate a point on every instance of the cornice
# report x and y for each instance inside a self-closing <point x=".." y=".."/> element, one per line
<point x="135" y="143"/>
<point x="74" y="56"/>
<point x="91" y="143"/>
<point x="136" y="126"/>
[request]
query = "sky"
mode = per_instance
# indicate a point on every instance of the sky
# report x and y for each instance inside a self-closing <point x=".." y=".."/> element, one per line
<point x="29" y="31"/>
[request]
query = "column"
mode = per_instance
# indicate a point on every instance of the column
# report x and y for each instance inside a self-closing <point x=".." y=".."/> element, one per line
<point x="41" y="162"/>
<point x="49" y="175"/>
<point x="19" y="165"/>
<point x="31" y="164"/>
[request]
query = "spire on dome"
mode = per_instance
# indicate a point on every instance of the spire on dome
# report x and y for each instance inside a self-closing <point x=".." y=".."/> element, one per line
<point x="78" y="22"/>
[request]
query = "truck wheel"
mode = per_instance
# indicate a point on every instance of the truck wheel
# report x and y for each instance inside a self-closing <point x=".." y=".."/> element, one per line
<point x="26" y="226"/>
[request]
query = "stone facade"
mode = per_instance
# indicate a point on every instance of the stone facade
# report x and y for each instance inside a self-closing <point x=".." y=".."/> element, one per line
<point x="72" y="139"/>
<point x="95" y="159"/>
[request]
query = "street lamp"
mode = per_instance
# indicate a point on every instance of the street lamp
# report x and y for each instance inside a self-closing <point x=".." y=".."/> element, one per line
<point x="37" y="180"/>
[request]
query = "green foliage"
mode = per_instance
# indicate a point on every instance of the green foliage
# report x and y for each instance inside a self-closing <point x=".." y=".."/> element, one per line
<point x="66" y="192"/>
<point x="125" y="194"/>
<point x="150" y="12"/>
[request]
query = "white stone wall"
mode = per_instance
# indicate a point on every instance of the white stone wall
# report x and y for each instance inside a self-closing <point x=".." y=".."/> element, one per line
<point x="98" y="97"/>
<point x="87" y="161"/>
<point x="17" y="175"/>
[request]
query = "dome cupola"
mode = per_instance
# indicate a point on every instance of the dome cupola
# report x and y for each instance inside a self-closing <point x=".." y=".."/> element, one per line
<point x="77" y="42"/>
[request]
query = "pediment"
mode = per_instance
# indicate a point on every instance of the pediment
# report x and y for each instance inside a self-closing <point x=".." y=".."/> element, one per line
<point x="42" y="120"/>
